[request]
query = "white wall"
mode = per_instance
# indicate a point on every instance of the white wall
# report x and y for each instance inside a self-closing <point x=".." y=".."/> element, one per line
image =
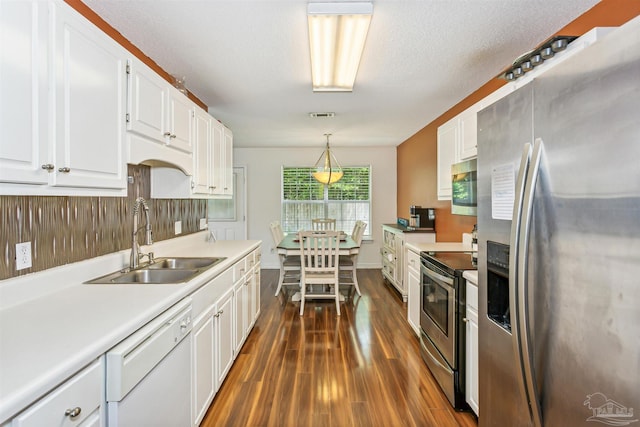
<point x="264" y="166"/>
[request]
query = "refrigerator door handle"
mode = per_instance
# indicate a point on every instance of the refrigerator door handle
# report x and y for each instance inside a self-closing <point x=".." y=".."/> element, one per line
<point x="526" y="349"/>
<point x="513" y="259"/>
<point x="514" y="264"/>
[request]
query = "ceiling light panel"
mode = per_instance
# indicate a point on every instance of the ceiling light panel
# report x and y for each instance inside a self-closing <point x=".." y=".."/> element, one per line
<point x="337" y="34"/>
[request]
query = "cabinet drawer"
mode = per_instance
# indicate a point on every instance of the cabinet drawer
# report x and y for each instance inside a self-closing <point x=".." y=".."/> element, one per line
<point x="82" y="391"/>
<point x="203" y="298"/>
<point x="413" y="261"/>
<point x="240" y="269"/>
<point x="472" y="296"/>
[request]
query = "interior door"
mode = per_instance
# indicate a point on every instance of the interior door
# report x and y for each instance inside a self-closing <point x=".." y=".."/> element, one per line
<point x="227" y="217"/>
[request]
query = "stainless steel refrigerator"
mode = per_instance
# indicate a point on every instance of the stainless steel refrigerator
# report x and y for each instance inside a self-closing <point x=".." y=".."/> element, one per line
<point x="559" y="243"/>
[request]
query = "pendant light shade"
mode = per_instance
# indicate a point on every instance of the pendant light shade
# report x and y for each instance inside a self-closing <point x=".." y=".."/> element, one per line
<point x="327" y="168"/>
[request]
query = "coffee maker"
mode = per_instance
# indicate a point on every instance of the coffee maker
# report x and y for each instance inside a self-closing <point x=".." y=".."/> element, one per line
<point x="422" y="218"/>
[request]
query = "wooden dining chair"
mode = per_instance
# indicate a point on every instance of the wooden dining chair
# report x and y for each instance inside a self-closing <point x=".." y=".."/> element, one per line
<point x="324" y="224"/>
<point x="348" y="263"/>
<point x="319" y="266"/>
<point x="289" y="265"/>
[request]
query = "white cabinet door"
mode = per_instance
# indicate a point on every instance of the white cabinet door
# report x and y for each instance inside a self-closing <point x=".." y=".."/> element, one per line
<point x="181" y="111"/>
<point x="255" y="291"/>
<point x="90" y="95"/>
<point x="468" y="133"/>
<point x="23" y="92"/>
<point x="447" y="146"/>
<point x="224" y="339"/>
<point x="217" y="157"/>
<point x="413" y="290"/>
<point x="202" y="169"/>
<point x="204" y="377"/>
<point x="471" y="386"/>
<point x="147" y="103"/>
<point x="242" y="311"/>
<point x="227" y="163"/>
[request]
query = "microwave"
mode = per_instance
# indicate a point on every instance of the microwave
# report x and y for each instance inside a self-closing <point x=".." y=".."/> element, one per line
<point x="464" y="188"/>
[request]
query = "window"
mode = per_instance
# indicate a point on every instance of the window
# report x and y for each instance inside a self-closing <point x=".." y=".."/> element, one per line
<point x="304" y="198"/>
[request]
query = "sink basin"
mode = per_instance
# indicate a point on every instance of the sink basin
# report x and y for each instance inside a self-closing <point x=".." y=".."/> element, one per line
<point x="155" y="276"/>
<point x="162" y="271"/>
<point x="183" y="263"/>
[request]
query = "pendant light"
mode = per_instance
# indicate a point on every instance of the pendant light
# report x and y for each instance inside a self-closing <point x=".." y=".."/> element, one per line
<point x="327" y="168"/>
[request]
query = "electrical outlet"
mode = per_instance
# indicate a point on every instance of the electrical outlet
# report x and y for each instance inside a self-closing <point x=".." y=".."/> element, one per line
<point x="203" y="223"/>
<point x="23" y="255"/>
<point x="178" y="227"/>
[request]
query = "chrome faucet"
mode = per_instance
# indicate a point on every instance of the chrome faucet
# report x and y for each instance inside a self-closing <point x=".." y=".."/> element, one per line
<point x="134" y="259"/>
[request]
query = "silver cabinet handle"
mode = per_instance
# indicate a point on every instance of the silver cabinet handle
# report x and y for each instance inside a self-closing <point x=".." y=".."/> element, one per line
<point x="72" y="413"/>
<point x="48" y="167"/>
<point x="167" y="134"/>
<point x="172" y="136"/>
<point x="64" y="169"/>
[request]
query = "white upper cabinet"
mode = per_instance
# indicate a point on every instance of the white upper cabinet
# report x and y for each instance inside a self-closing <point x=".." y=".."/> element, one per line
<point x="23" y="92"/>
<point x="179" y="123"/>
<point x="147" y="104"/>
<point x="222" y="146"/>
<point x="202" y="152"/>
<point x="63" y="86"/>
<point x="90" y="93"/>
<point x="468" y="133"/>
<point x="447" y="154"/>
<point x="157" y="110"/>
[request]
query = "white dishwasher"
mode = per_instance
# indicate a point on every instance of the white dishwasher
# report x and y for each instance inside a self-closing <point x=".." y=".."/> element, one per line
<point x="149" y="373"/>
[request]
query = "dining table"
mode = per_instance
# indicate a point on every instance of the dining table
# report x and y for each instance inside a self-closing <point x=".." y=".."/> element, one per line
<point x="290" y="246"/>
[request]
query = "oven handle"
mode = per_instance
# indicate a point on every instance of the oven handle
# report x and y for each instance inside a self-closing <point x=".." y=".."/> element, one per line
<point x="436" y="276"/>
<point x="436" y="361"/>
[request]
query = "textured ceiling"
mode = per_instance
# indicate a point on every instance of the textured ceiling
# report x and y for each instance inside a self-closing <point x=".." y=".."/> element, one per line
<point x="249" y="61"/>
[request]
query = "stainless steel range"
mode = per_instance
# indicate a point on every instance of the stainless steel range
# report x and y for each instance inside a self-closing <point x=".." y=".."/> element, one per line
<point x="442" y="310"/>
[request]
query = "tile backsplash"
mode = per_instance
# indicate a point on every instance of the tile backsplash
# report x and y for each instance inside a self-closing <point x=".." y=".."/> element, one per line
<point x="66" y="229"/>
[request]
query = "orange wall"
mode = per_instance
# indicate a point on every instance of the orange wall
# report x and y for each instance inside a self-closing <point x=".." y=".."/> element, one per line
<point x="85" y="11"/>
<point x="417" y="159"/>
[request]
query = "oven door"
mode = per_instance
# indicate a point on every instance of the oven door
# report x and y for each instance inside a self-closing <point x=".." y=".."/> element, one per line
<point x="438" y="310"/>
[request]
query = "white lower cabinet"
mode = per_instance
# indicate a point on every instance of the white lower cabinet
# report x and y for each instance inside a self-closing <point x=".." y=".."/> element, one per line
<point x="241" y="295"/>
<point x="223" y="337"/>
<point x="413" y="290"/>
<point x="77" y="402"/>
<point x="204" y="383"/>
<point x="394" y="239"/>
<point x="223" y="315"/>
<point x="471" y="387"/>
<point x="255" y="288"/>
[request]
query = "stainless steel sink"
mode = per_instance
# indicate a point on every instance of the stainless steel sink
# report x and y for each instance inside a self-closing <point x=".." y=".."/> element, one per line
<point x="162" y="271"/>
<point x="183" y="263"/>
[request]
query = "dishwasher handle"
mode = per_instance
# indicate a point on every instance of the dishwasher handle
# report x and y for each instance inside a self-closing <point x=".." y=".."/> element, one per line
<point x="131" y="360"/>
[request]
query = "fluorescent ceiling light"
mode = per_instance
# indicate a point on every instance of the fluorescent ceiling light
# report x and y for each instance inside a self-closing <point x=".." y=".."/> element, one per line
<point x="337" y="32"/>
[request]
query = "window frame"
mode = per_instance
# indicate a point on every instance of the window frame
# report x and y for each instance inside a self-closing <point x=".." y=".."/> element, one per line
<point x="325" y="204"/>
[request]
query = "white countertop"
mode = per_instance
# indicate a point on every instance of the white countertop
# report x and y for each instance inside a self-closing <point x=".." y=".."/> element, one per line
<point x="439" y="247"/>
<point x="52" y="325"/>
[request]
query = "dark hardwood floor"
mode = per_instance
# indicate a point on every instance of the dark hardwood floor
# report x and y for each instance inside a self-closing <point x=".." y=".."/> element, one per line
<point x="362" y="368"/>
